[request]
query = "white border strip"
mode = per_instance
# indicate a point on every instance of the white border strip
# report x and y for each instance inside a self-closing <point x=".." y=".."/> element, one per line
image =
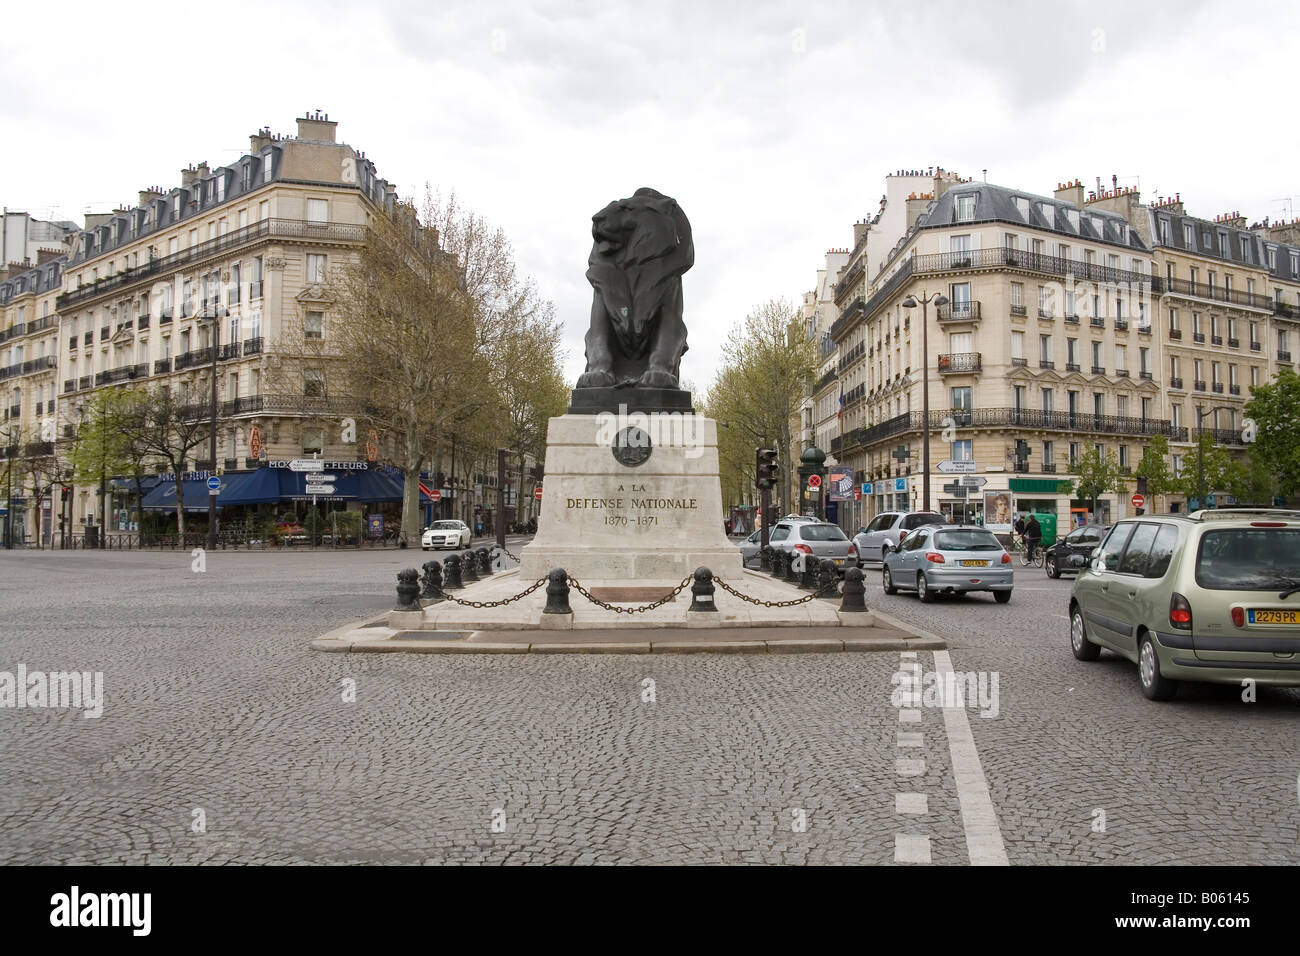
<point x="978" y="817"/>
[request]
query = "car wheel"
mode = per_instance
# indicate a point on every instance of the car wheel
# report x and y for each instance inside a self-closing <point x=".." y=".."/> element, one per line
<point x="1002" y="597"/>
<point x="923" y="591"/>
<point x="887" y="582"/>
<point x="1083" y="648"/>
<point x="1153" y="685"/>
<point x="1052" y="570"/>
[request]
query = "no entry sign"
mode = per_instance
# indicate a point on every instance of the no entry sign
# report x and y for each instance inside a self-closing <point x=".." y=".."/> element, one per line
<point x="537" y="492"/>
<point x="1138" y="501"/>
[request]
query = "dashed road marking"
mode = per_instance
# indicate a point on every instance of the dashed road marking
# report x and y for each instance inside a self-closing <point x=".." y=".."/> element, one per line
<point x="916" y="803"/>
<point x="910" y="740"/>
<point x="978" y="816"/>
<point x="909" y="716"/>
<point x="909" y="848"/>
<point x="909" y="768"/>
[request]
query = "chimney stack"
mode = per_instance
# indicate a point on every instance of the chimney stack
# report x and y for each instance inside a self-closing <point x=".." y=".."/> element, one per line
<point x="317" y="127"/>
<point x="188" y="175"/>
<point x="147" y="196"/>
<point x="1071" y="192"/>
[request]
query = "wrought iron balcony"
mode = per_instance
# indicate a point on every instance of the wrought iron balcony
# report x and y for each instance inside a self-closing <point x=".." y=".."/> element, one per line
<point x="194" y="358"/>
<point x="244" y="405"/>
<point x="1099" y="370"/>
<point x="85" y="382"/>
<point x="1256" y="346"/>
<point x="1216" y="340"/>
<point x="957" y="362"/>
<point x="231" y="350"/>
<point x="1200" y="290"/>
<point x="1072" y="318"/>
<point x="1047" y="314"/>
<point x="1046" y="363"/>
<point x="1121" y="373"/>
<point x="1283" y="355"/>
<point x="1176" y="383"/>
<point x="253" y="346"/>
<point x="1234" y="389"/>
<point x="1121" y="325"/>
<point x="1175" y="334"/>
<point x="1097" y="321"/>
<point x="1234" y="343"/>
<point x="162" y="366"/>
<point x="959" y="311"/>
<point x="1198" y="337"/>
<point x="1198" y="386"/>
<point x="142" y="321"/>
<point x="1072" y="366"/>
<point x="72" y="343"/>
<point x="1019" y="310"/>
<point x="1217" y="387"/>
<point x="1146" y="375"/>
<point x="70" y="385"/>
<point x="1020" y="362"/>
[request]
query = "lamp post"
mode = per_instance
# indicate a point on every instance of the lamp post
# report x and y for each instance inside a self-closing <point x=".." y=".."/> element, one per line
<point x="215" y="318"/>
<point x="1201" y="490"/>
<point x="910" y="302"/>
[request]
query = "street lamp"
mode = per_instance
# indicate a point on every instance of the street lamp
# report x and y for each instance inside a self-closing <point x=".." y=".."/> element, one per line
<point x="215" y="318"/>
<point x="939" y="299"/>
<point x="1201" y="490"/>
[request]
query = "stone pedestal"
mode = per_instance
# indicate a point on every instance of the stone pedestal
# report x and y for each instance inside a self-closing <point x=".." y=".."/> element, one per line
<point x="602" y="520"/>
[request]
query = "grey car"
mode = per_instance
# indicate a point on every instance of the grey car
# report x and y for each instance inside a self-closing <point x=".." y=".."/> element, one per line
<point x="951" y="559"/>
<point x="750" y="547"/>
<point x="886" y="529"/>
<point x="820" y="539"/>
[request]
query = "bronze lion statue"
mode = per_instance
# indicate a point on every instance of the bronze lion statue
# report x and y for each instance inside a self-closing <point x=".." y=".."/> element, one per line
<point x="637" y="336"/>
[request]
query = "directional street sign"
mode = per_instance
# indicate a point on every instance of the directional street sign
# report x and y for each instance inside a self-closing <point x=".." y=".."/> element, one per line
<point x="956" y="490"/>
<point x="970" y="481"/>
<point x="320" y="478"/>
<point x="950" y="467"/>
<point x="214" y="485"/>
<point x="320" y="489"/>
<point x="306" y="464"/>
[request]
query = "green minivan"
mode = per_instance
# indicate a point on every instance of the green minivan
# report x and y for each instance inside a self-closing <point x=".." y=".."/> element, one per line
<point x="1209" y="596"/>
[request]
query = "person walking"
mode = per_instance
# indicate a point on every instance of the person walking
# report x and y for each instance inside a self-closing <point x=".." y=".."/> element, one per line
<point x="1033" y="535"/>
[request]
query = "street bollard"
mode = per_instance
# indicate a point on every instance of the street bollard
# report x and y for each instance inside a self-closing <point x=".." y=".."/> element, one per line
<point x="432" y="582"/>
<point x="854" y="591"/>
<point x="484" y="562"/>
<point x="702" y="591"/>
<point x="468" y="567"/>
<point x="826" y="577"/>
<point x="451" y="575"/>
<point x="808" y="576"/>
<point x="765" y="558"/>
<point x="557" y="592"/>
<point x="408" y="590"/>
<point x="787" y="561"/>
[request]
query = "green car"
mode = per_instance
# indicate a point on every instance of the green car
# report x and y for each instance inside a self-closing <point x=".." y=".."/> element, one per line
<point x="1210" y="596"/>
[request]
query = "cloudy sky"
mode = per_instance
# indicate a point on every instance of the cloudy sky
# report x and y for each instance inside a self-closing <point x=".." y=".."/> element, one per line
<point x="773" y="124"/>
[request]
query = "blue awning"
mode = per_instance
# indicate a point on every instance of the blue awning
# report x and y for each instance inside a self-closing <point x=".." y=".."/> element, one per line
<point x="163" y="496"/>
<point x="249" y="488"/>
<point x="368" y="485"/>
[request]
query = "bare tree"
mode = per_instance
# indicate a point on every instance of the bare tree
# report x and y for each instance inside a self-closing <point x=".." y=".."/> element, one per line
<point x="160" y="427"/>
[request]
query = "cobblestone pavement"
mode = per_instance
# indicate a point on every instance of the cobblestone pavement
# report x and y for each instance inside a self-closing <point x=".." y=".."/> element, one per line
<point x="214" y="705"/>
<point x="1204" y="779"/>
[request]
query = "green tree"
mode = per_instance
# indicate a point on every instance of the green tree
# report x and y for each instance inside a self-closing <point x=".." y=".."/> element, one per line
<point x="106" y="444"/>
<point x="1275" y="411"/>
<point x="1155" y="468"/>
<point x="1098" y="475"/>
<point x="1207" y="468"/>
<point x="768" y="365"/>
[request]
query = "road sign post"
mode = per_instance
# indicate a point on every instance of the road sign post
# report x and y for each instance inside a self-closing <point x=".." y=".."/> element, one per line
<point x="1138" y="501"/>
<point x="214" y="486"/>
<point x="950" y="467"/>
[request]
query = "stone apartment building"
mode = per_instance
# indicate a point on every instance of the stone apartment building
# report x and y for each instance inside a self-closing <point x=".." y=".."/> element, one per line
<point x="1075" y="321"/>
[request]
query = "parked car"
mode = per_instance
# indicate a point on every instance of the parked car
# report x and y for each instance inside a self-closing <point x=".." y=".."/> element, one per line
<point x="821" y="539"/>
<point x="1071" y="554"/>
<point x="749" y="549"/>
<point x="446" y="534"/>
<point x="951" y="559"/>
<point x="1211" y="596"/>
<point x="888" y="528"/>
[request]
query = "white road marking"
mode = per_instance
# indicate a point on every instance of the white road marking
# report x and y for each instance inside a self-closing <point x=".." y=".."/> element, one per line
<point x="909" y="716"/>
<point x="909" y="768"/>
<point x="907" y="655"/>
<point x="978" y="816"/>
<point x="911" y="803"/>
<point x="909" y="848"/>
<point x="910" y="740"/>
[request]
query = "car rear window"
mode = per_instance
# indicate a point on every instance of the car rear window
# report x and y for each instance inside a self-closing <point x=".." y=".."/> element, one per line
<point x="822" y="532"/>
<point x="1249" y="559"/>
<point x="924" y="517"/>
<point x="966" y="541"/>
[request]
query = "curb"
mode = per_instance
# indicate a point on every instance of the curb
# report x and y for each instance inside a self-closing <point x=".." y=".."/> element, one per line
<point x="815" y="646"/>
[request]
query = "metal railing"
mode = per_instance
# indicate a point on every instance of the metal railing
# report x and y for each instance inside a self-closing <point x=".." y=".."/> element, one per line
<point x="954" y="362"/>
<point x="263" y="229"/>
<point x="959" y="311"/>
<point x="1021" y="418"/>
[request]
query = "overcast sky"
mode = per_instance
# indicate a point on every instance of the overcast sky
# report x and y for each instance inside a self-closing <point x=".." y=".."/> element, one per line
<point x="773" y="124"/>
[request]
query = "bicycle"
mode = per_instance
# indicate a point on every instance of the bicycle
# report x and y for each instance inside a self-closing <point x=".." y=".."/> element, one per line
<point x="1037" y="560"/>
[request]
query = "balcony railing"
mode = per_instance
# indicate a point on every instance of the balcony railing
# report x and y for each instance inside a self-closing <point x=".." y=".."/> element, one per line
<point x="1176" y="383"/>
<point x="85" y="382"/>
<point x="1049" y="468"/>
<point x="1018" y="418"/>
<point x="1175" y="334"/>
<point x="1019" y="362"/>
<point x="1198" y="386"/>
<point x="956" y="362"/>
<point x="1097" y="321"/>
<point x="28" y="367"/>
<point x="1019" y="310"/>
<point x="1121" y="325"/>
<point x="826" y="379"/>
<point x="229" y="351"/>
<point x="1072" y="366"/>
<point x="344" y="232"/>
<point x="162" y="366"/>
<point x="1200" y="290"/>
<point x="1121" y="373"/>
<point x="1217" y="387"/>
<point x="142" y="321"/>
<point x="1234" y="343"/>
<point x="104" y="334"/>
<point x="253" y="346"/>
<point x="851" y="311"/>
<point x="1234" y="389"/>
<point x="959" y="311"/>
<point x="1198" y="337"/>
<point x="242" y="406"/>
<point x="1046" y="363"/>
<point x="70" y="385"/>
<point x="194" y="358"/>
<point x="1146" y="375"/>
<point x="1257" y="346"/>
<point x="1072" y="318"/>
<point x="1047" y="314"/>
<point x="72" y="343"/>
<point x="1099" y="370"/>
<point x="1283" y="355"/>
<point x="1216" y="340"/>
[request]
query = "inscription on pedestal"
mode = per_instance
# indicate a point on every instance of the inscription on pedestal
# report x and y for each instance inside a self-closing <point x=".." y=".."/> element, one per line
<point x="633" y="506"/>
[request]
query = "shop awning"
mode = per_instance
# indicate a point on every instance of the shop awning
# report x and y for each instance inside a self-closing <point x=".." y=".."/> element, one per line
<point x="248" y="488"/>
<point x="1042" y="486"/>
<point x="163" y="496"/>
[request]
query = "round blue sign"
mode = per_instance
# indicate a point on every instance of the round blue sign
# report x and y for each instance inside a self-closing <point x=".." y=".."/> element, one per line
<point x="214" y="483"/>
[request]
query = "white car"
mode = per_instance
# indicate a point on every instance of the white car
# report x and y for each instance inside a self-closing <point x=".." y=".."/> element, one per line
<point x="446" y="534"/>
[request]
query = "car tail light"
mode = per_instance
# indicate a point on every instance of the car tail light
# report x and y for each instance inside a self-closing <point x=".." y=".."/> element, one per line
<point x="803" y="548"/>
<point x="853" y="549"/>
<point x="1238" y="617"/>
<point x="1006" y="558"/>
<point x="901" y="536"/>
<point x="934" y="556"/>
<point x="1180" y="612"/>
<point x="1268" y="524"/>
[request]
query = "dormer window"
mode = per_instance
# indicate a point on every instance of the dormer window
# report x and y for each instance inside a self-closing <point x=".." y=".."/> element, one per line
<point x="246" y="175"/>
<point x="266" y="166"/>
<point x="176" y="206"/>
<point x="1122" y="229"/>
<point x="965" y="208"/>
<point x="1072" y="216"/>
<point x="1189" y="237"/>
<point x="1022" y="207"/>
<point x="1272" y="257"/>
<point x="221" y="186"/>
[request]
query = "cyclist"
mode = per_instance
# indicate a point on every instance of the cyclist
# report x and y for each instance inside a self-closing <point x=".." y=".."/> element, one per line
<point x="1019" y="530"/>
<point x="1033" y="535"/>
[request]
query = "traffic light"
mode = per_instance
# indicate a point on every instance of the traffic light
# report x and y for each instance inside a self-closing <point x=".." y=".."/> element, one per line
<point x="765" y="468"/>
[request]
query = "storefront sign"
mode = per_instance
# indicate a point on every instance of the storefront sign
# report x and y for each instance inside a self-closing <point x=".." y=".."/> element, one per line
<point x="325" y="465"/>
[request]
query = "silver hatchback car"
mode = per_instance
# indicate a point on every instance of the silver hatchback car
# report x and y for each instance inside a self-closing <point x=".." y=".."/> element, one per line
<point x="819" y="539"/>
<point x="952" y="559"/>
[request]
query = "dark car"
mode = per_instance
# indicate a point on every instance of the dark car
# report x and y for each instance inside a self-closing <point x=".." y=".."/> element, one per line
<point x="1070" y="555"/>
